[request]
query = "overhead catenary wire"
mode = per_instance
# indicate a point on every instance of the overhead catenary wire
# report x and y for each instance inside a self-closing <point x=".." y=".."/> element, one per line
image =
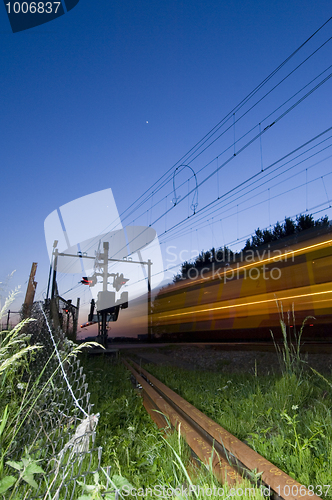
<point x="257" y="136"/>
<point x="233" y="111"/>
<point x="255" y="176"/>
<point x="162" y="181"/>
<point x="249" y="131"/>
<point x="226" y="162"/>
<point x="225" y="217"/>
<point x="235" y="191"/>
<point x="238" y="240"/>
<point x="236" y="212"/>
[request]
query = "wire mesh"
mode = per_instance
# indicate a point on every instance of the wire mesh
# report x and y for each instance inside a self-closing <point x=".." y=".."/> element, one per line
<point x="57" y="427"/>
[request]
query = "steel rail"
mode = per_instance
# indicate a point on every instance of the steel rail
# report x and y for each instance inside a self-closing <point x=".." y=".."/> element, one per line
<point x="200" y="446"/>
<point x="243" y="459"/>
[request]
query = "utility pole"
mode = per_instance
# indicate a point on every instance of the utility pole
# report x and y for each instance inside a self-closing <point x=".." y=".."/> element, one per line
<point x="8" y="317"/>
<point x="30" y="293"/>
<point x="149" y="302"/>
<point x="54" y="302"/>
<point x="103" y="332"/>
<point x="55" y="265"/>
<point x="75" y="320"/>
<point x="55" y="243"/>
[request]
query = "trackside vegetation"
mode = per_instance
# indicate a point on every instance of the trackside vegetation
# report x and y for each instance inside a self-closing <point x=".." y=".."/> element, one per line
<point x="134" y="448"/>
<point x="137" y="459"/>
<point x="285" y="417"/>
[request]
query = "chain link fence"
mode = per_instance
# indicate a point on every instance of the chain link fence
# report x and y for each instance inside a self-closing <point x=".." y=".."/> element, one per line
<point x="58" y="426"/>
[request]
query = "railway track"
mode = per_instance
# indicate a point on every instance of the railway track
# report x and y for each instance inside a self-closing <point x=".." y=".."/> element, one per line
<point x="231" y="459"/>
<point x="309" y="347"/>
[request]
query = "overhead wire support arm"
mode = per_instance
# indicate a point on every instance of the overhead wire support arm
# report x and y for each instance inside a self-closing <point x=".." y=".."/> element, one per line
<point x="110" y="260"/>
<point x="102" y="327"/>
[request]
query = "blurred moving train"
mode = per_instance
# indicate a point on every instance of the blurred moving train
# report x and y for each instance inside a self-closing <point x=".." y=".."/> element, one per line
<point x="243" y="299"/>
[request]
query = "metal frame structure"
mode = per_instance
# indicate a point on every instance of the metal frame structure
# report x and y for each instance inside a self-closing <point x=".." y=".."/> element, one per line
<point x="113" y="310"/>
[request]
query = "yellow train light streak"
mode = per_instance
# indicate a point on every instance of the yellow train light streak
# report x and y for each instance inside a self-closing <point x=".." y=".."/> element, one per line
<point x="230" y="300"/>
<point x="284" y="256"/>
<point x="199" y="310"/>
<point x="290" y="254"/>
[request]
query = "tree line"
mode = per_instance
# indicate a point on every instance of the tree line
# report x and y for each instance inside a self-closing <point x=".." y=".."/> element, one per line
<point x="259" y="238"/>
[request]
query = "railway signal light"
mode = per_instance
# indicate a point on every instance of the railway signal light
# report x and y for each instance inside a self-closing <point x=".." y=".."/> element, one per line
<point x="67" y="306"/>
<point x="89" y="281"/>
<point x="119" y="281"/>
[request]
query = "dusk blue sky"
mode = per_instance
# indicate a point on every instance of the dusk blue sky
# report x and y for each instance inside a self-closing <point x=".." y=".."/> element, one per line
<point x="113" y="93"/>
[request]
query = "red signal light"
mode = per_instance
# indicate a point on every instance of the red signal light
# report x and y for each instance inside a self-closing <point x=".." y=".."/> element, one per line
<point x="119" y="281"/>
<point x="89" y="281"/>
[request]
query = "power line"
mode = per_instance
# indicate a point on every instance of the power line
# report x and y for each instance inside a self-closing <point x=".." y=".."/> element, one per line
<point x="258" y="176"/>
<point x="165" y="178"/>
<point x="157" y="186"/>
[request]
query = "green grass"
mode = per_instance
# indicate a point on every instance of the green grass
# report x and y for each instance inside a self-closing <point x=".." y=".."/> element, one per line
<point x="135" y="453"/>
<point x="132" y="444"/>
<point x="285" y="418"/>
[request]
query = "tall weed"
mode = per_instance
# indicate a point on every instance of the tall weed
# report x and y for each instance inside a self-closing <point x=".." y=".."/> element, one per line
<point x="289" y="354"/>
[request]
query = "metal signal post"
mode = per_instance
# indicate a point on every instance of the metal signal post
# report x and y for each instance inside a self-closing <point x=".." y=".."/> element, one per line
<point x="105" y="298"/>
